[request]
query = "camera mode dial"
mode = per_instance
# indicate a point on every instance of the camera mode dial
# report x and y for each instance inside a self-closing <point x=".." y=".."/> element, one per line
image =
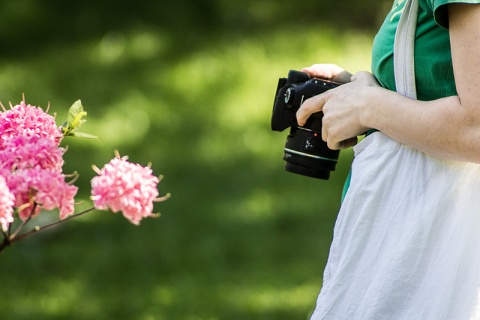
<point x="288" y="97"/>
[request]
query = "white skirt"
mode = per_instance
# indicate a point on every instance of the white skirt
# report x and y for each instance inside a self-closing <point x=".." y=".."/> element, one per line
<point x="407" y="239"/>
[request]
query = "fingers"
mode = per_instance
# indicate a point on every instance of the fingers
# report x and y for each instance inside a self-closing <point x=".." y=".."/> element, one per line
<point x="310" y="106"/>
<point x="345" y="143"/>
<point x="366" y="77"/>
<point x="328" y="71"/>
<point x="325" y="71"/>
<point x="340" y="125"/>
<point x="335" y="140"/>
<point x="360" y="75"/>
<point x="343" y="77"/>
<point x="337" y="145"/>
<point x="333" y="127"/>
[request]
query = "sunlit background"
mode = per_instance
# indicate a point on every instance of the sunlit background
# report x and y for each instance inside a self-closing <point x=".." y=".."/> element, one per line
<point x="187" y="85"/>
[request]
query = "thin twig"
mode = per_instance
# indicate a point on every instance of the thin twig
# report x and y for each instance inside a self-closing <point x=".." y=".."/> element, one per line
<point x="17" y="231"/>
<point x="37" y="228"/>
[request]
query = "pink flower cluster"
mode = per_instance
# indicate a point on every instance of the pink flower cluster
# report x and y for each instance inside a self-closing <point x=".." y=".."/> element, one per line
<point x="127" y="187"/>
<point x="31" y="177"/>
<point x="26" y="120"/>
<point x="31" y="163"/>
<point x="7" y="200"/>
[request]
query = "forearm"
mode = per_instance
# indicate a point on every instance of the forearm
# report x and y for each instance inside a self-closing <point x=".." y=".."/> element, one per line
<point x="443" y="127"/>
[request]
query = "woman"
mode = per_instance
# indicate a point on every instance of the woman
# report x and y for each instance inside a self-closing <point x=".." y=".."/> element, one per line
<point x="412" y="253"/>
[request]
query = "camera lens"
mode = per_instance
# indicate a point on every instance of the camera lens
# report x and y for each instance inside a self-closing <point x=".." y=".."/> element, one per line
<point x="307" y="154"/>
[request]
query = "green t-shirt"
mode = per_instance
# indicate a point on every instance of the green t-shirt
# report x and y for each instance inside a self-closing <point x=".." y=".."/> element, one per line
<point x="433" y="61"/>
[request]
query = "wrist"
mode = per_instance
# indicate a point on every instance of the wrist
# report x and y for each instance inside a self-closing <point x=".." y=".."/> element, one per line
<point x="372" y="109"/>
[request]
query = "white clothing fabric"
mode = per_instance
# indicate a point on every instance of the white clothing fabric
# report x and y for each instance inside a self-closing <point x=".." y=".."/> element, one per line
<point x="407" y="239"/>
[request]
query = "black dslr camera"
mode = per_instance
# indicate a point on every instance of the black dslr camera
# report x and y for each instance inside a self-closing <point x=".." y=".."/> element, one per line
<point x="305" y="152"/>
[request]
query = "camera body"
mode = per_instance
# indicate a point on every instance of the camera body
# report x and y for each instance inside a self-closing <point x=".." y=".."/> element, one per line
<point x="305" y="152"/>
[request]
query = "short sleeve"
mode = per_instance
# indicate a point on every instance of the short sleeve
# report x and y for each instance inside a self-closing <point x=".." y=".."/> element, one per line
<point x="440" y="9"/>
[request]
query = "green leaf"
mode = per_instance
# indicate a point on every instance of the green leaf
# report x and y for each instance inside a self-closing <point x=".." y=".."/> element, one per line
<point x="75" y="110"/>
<point x="75" y="115"/>
<point x="84" y="135"/>
<point x="74" y="121"/>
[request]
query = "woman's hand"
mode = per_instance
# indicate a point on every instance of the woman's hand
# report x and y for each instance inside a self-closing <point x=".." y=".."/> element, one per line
<point x="329" y="71"/>
<point x="448" y="127"/>
<point x="343" y="108"/>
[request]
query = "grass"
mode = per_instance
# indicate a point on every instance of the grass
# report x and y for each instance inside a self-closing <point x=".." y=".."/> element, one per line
<point x="239" y="239"/>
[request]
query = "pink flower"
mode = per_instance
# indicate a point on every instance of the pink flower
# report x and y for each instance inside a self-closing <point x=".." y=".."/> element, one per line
<point x="27" y="120"/>
<point x="127" y="187"/>
<point x="36" y="188"/>
<point x="24" y="152"/>
<point x="6" y="204"/>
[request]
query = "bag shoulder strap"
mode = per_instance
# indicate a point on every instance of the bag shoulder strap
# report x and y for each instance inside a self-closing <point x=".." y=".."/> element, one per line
<point x="403" y="52"/>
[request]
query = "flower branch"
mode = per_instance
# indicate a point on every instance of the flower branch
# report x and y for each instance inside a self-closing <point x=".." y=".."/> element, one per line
<point x="38" y="228"/>
<point x="32" y="180"/>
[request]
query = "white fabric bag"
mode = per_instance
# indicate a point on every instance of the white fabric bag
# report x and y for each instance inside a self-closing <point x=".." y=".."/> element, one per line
<point x="407" y="239"/>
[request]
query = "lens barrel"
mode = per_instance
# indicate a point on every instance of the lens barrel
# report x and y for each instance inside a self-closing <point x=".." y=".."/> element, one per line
<point x="307" y="154"/>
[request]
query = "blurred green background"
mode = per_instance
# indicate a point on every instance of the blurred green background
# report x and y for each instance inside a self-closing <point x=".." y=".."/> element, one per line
<point x="187" y="85"/>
